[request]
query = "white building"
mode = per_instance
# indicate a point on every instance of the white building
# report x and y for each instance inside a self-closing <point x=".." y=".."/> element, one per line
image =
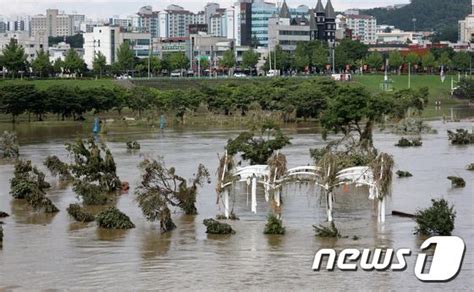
<point x="107" y="40"/>
<point x="397" y="36"/>
<point x="466" y="28"/>
<point x="363" y="27"/>
<point x="31" y="44"/>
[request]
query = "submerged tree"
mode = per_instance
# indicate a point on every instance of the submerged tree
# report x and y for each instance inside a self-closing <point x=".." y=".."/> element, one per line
<point x="162" y="189"/>
<point x="216" y="227"/>
<point x="257" y="147"/>
<point x="355" y="111"/>
<point x="113" y="218"/>
<point x="57" y="167"/>
<point x="461" y="137"/>
<point x="9" y="148"/>
<point x="94" y="163"/>
<point x="274" y="226"/>
<point x="78" y="213"/>
<point x="29" y="183"/>
<point x="437" y="219"/>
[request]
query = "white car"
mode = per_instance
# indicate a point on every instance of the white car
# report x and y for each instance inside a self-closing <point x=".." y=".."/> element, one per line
<point x="124" y="77"/>
<point x="239" y="75"/>
<point x="176" y="74"/>
<point x="272" y="73"/>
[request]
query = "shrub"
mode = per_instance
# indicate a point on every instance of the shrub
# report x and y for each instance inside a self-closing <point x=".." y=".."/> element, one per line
<point x="78" y="213"/>
<point x="274" y="226"/>
<point x="216" y="227"/>
<point x="437" y="219"/>
<point x="113" y="218"/>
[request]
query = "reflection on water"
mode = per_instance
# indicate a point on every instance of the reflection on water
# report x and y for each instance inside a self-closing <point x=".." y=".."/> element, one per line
<point x="51" y="251"/>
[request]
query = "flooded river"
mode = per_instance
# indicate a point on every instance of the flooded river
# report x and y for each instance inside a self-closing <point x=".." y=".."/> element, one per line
<point x="51" y="251"/>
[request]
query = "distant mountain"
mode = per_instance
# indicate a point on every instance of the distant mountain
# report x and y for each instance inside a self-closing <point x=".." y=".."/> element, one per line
<point x="431" y="15"/>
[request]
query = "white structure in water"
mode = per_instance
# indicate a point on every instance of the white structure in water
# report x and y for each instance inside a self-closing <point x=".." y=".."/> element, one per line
<point x="260" y="174"/>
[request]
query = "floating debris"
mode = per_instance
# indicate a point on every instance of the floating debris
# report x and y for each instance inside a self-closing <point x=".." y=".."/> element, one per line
<point x="4" y="214"/>
<point x="78" y="213"/>
<point x="216" y="227"/>
<point x="274" y="226"/>
<point x="133" y="145"/>
<point x="402" y="173"/>
<point x="437" y="219"/>
<point x="113" y="218"/>
<point x="457" y="182"/>
<point x="404" y="142"/>
<point x="324" y="231"/>
<point x="470" y="167"/>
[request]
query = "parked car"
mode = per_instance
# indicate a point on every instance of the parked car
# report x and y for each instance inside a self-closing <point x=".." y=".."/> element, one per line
<point x="240" y="75"/>
<point x="176" y="73"/>
<point x="272" y="73"/>
<point x="124" y="77"/>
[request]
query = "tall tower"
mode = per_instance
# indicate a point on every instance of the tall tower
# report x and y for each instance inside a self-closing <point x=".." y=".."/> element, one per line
<point x="330" y="22"/>
<point x="320" y="21"/>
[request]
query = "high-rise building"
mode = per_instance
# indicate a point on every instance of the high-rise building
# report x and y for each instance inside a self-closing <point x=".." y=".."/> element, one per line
<point x="252" y="18"/>
<point x="217" y="23"/>
<point x="209" y="10"/>
<point x="178" y="21"/>
<point x="55" y="24"/>
<point x="149" y="21"/>
<point x="285" y="31"/>
<point x="364" y="28"/>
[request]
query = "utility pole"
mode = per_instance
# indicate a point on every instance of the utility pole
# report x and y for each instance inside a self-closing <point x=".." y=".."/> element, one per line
<point x="333" y="56"/>
<point x="150" y="48"/>
<point x="409" y="75"/>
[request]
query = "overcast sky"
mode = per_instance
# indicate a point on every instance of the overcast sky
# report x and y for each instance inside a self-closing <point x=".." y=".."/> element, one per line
<point x="106" y="8"/>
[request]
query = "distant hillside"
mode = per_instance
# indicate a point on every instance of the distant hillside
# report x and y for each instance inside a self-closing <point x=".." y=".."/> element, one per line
<point x="438" y="15"/>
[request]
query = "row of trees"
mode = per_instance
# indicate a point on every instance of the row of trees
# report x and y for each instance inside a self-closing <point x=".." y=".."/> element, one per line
<point x="291" y="97"/>
<point x="14" y="59"/>
<point x="316" y="56"/>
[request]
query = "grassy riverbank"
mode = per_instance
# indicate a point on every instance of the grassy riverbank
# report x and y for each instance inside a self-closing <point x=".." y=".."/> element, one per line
<point x="81" y="83"/>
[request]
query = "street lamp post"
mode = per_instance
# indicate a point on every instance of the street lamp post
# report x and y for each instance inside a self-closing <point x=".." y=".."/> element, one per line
<point x="414" y="24"/>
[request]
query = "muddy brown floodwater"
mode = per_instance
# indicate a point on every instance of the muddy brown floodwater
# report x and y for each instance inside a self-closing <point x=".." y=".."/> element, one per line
<point x="51" y="251"/>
